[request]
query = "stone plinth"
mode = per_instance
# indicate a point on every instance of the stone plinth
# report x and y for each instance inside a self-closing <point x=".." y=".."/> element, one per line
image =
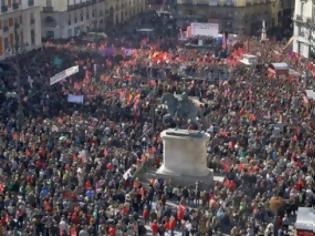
<point x="185" y="157"/>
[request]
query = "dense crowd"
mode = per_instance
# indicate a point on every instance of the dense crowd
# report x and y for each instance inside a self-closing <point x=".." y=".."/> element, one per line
<point x="62" y="171"/>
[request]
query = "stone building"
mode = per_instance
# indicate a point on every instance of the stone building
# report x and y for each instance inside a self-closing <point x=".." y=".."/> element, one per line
<point x="240" y="16"/>
<point x="304" y="28"/>
<point x="68" y="18"/>
<point x="20" y="26"/>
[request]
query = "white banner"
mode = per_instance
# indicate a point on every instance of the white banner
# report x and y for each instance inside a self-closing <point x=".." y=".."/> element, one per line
<point x="310" y="94"/>
<point x="204" y="29"/>
<point x="64" y="74"/>
<point x="79" y="99"/>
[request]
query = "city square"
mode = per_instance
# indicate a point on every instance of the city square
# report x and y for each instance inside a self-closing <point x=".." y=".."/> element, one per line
<point x="134" y="118"/>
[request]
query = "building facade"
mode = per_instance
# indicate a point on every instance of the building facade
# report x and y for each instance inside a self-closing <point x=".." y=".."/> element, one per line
<point x="20" y="26"/>
<point x="304" y="28"/>
<point x="69" y="18"/>
<point x="242" y="17"/>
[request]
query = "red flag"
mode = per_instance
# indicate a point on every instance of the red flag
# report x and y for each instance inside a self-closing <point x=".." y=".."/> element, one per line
<point x="109" y="166"/>
<point x="105" y="152"/>
<point x="180" y="212"/>
<point x="2" y="187"/>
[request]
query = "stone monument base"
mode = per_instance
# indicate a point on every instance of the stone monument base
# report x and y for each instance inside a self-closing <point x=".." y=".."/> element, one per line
<point x="185" y="158"/>
<point x="186" y="180"/>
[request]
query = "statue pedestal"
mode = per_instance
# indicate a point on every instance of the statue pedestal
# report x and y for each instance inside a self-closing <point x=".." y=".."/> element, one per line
<point x="185" y="157"/>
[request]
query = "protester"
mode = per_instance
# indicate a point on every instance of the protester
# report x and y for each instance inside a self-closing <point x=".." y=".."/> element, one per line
<point x="63" y="172"/>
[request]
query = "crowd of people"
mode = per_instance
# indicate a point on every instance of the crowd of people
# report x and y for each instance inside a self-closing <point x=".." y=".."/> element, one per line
<point x="63" y="168"/>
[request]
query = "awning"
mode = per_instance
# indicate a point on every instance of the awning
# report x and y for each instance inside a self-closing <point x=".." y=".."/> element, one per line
<point x="305" y="219"/>
<point x="280" y="66"/>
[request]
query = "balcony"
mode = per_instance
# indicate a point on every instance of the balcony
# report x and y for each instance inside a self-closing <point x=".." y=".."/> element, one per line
<point x="188" y="2"/>
<point x="249" y="3"/>
<point x="80" y="5"/>
<point x="228" y="3"/>
<point x="4" y="8"/>
<point x="298" y="18"/>
<point x="309" y="21"/>
<point x="48" y="9"/>
<point x="15" y="5"/>
<point x="213" y="3"/>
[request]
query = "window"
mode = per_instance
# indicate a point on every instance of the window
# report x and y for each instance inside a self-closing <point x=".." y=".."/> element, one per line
<point x="17" y="39"/>
<point x="69" y="19"/>
<point x="49" y="3"/>
<point x="11" y="22"/>
<point x="313" y="13"/>
<point x="6" y="25"/>
<point x="6" y="43"/>
<point x="302" y="8"/>
<point x="81" y="15"/>
<point x="32" y="37"/>
<point x="50" y="34"/>
<point x="32" y="19"/>
<point x="15" y="4"/>
<point x="16" y="23"/>
<point x="4" y="7"/>
<point x="11" y="40"/>
<point x="301" y="31"/>
<point x="75" y="17"/>
<point x="1" y="46"/>
<point x="87" y="14"/>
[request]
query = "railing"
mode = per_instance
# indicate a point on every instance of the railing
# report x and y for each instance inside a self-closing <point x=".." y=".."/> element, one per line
<point x="189" y="2"/>
<point x="48" y="9"/>
<point x="249" y="3"/>
<point x="299" y="18"/>
<point x="228" y="3"/>
<point x="80" y="5"/>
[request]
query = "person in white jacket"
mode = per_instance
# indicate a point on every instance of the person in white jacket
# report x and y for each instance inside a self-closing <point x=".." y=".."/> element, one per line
<point x="63" y="226"/>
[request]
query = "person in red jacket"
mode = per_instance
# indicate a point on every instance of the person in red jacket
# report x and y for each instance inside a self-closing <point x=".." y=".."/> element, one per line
<point x="112" y="231"/>
<point x="145" y="214"/>
<point x="154" y="228"/>
<point x="180" y="212"/>
<point x="172" y="224"/>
